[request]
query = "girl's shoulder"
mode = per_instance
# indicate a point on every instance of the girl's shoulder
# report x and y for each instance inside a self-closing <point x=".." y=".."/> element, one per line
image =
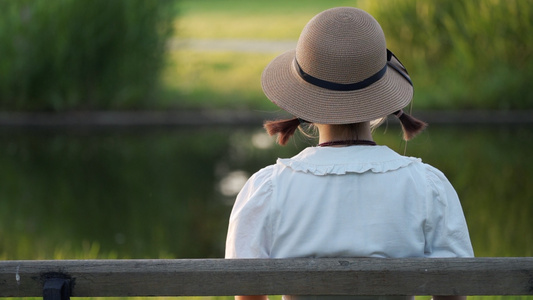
<point x="261" y="178"/>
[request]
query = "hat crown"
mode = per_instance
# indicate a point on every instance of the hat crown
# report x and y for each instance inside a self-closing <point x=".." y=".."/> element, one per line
<point x="343" y="45"/>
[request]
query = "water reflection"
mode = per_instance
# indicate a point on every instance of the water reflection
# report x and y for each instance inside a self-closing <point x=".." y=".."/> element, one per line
<point x="232" y="183"/>
<point x="262" y="140"/>
<point x="168" y="193"/>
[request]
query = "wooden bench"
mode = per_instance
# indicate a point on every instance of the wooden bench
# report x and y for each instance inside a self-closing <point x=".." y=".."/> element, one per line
<point x="61" y="279"/>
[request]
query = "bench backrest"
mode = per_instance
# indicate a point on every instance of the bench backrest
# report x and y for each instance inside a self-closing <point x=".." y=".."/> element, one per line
<point x="307" y="276"/>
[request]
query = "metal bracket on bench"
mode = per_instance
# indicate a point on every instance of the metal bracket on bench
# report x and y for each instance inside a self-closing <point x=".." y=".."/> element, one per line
<point x="56" y="289"/>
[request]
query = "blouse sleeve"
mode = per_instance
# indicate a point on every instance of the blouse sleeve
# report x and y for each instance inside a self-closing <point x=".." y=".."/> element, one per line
<point x="445" y="229"/>
<point x="249" y="231"/>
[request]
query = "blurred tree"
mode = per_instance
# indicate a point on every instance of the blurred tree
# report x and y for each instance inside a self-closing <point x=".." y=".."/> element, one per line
<point x="81" y="54"/>
<point x="477" y="53"/>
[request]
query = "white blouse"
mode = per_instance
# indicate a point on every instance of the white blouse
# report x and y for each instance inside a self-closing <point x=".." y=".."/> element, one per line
<point x="348" y="202"/>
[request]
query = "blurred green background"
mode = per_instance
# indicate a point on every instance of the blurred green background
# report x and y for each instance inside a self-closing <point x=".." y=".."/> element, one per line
<point x="64" y="55"/>
<point x="167" y="192"/>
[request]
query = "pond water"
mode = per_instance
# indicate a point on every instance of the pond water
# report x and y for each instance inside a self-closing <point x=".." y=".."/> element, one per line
<point x="167" y="193"/>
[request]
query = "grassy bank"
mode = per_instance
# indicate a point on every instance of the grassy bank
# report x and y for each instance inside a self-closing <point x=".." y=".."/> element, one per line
<point x="98" y="55"/>
<point x="242" y="19"/>
<point x="461" y="55"/>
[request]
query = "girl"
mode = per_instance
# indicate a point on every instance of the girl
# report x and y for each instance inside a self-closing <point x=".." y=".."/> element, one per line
<point x="346" y="197"/>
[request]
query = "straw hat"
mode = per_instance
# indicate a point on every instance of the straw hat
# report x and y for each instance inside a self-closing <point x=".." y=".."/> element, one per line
<point x="340" y="72"/>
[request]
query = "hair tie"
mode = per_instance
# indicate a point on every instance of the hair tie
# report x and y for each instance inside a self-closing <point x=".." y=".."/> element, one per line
<point x="398" y="114"/>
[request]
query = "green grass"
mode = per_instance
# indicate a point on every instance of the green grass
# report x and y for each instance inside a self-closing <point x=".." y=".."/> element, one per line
<point x="244" y="19"/>
<point x="221" y="80"/>
<point x="228" y="80"/>
<point x="461" y="55"/>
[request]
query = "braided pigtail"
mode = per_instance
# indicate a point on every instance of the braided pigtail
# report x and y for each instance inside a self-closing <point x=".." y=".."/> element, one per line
<point x="411" y="126"/>
<point x="283" y="128"/>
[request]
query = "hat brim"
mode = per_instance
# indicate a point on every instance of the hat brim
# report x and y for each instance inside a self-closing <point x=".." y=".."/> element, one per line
<point x="284" y="87"/>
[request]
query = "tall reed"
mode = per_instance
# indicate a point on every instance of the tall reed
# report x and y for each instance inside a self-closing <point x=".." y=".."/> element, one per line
<point x="81" y="54"/>
<point x="474" y="53"/>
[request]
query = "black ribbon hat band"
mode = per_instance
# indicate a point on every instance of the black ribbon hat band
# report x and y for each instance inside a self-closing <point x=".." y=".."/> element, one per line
<point x="357" y="85"/>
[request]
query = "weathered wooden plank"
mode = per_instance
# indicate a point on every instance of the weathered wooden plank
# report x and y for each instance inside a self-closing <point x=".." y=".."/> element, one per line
<point x="341" y="276"/>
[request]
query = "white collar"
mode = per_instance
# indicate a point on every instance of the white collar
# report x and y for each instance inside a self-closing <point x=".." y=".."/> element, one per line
<point x="342" y="160"/>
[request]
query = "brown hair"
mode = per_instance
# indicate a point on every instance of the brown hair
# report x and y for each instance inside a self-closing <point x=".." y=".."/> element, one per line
<point x="286" y="128"/>
<point x="283" y="128"/>
<point x="411" y="126"/>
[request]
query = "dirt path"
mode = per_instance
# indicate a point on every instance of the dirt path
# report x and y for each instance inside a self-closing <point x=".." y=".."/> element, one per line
<point x="233" y="45"/>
